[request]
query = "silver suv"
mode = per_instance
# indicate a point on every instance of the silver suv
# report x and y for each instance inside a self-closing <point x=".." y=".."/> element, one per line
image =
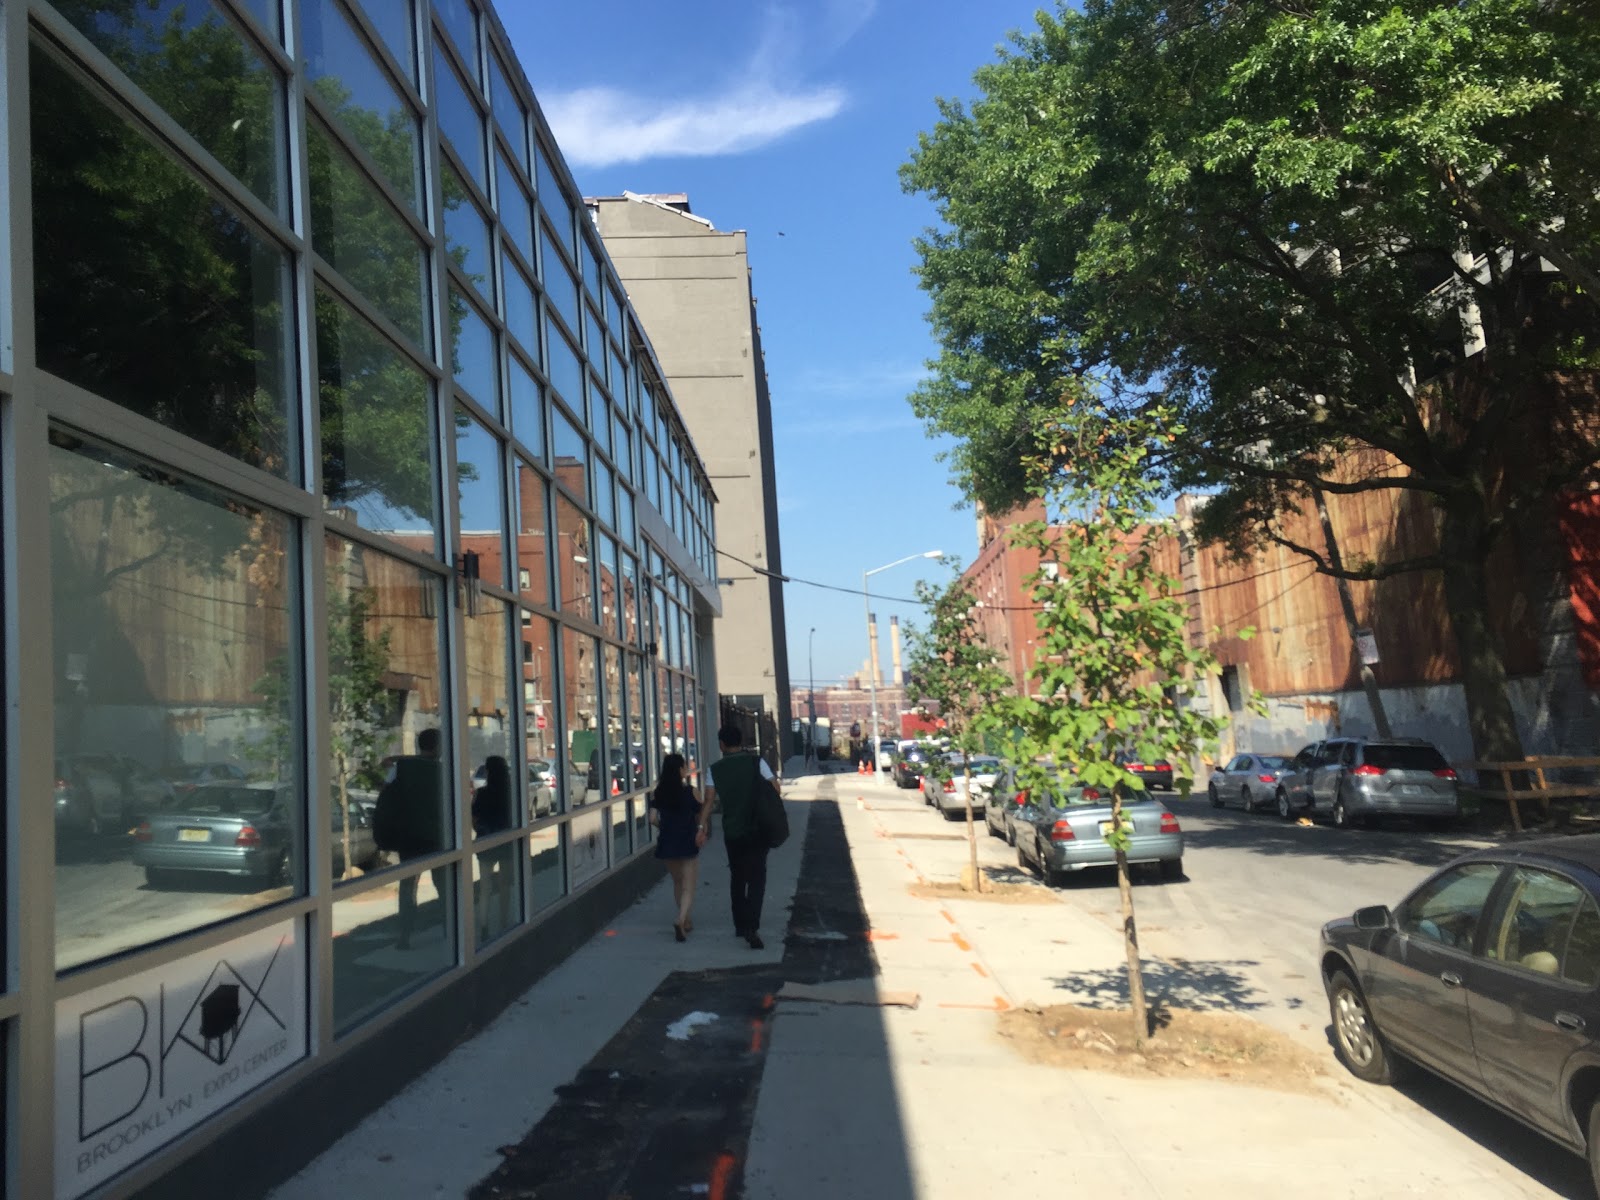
<point x="1359" y="781"/>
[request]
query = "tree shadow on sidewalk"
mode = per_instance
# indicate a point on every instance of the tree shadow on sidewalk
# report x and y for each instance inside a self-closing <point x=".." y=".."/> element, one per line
<point x="1209" y="986"/>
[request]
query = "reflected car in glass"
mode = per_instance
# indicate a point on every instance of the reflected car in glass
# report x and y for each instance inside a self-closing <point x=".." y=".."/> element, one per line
<point x="185" y="779"/>
<point x="908" y="766"/>
<point x="1063" y="829"/>
<point x="1358" y="782"/>
<point x="541" y="786"/>
<point x="1156" y="774"/>
<point x="1248" y="779"/>
<point x="220" y="830"/>
<point x="105" y="793"/>
<point x="1486" y="974"/>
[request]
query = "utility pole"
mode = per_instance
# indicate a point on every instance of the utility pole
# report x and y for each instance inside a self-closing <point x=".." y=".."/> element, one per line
<point x="1369" y="682"/>
<point x="811" y="703"/>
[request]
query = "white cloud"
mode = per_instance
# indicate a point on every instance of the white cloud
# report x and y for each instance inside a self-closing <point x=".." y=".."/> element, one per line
<point x="763" y="101"/>
<point x="867" y="379"/>
<point x="821" y="424"/>
<point x="600" y="127"/>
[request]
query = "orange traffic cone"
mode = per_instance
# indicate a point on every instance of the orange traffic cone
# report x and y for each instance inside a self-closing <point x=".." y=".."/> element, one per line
<point x="616" y="790"/>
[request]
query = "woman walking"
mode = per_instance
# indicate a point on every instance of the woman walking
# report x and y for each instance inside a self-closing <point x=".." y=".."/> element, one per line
<point x="676" y="812"/>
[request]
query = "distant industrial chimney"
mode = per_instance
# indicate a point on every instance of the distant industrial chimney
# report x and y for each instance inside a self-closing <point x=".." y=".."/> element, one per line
<point x="872" y="649"/>
<point x="898" y="678"/>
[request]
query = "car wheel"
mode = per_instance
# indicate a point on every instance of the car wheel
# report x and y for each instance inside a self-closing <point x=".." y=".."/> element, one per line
<point x="1284" y="812"/>
<point x="1594" y="1144"/>
<point x="1011" y="834"/>
<point x="989" y="826"/>
<point x="1361" y="1047"/>
<point x="1172" y="869"/>
<point x="280" y="872"/>
<point x="1245" y="802"/>
<point x="1211" y="793"/>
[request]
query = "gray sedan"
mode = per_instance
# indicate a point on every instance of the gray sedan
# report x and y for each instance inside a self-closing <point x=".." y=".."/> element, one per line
<point x="1250" y="780"/>
<point x="1066" y="832"/>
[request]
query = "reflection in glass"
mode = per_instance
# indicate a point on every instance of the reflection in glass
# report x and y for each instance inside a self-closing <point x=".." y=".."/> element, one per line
<point x="204" y="73"/>
<point x="621" y="833"/>
<point x="497" y="890"/>
<point x="508" y="110"/>
<point x="580" y="680"/>
<point x="363" y="238"/>
<point x="572" y="454"/>
<point x="625" y="515"/>
<point x="604" y="496"/>
<point x="609" y="600"/>
<point x="545" y="792"/>
<point x="386" y="750"/>
<point x="620" y="773"/>
<point x="156" y="296"/>
<point x="574" y="568"/>
<point x="664" y="714"/>
<point x="459" y="120"/>
<point x="472" y="356"/>
<point x="352" y="85"/>
<point x="175" y="677"/>
<point x="556" y="206"/>
<point x="533" y="536"/>
<point x="638" y="742"/>
<point x="461" y="20"/>
<point x="521" y="320"/>
<point x="489" y="714"/>
<point x="622" y="447"/>
<point x="549" y="881"/>
<point x="377" y="459"/>
<point x="630" y="599"/>
<point x="527" y="408"/>
<point x="466" y="233"/>
<point x="565" y="371"/>
<point x="559" y="285"/>
<point x="480" y="524"/>
<point x="393" y="21"/>
<point x="516" y="210"/>
<point x="389" y="941"/>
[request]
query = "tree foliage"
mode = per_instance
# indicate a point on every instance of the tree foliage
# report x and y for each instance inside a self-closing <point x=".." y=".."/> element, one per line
<point x="1308" y="228"/>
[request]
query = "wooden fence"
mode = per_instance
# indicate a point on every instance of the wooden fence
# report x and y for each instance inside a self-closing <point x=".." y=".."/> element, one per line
<point x="1530" y="780"/>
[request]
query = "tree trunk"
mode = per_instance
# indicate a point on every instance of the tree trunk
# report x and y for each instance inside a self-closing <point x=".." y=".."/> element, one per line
<point x="344" y="825"/>
<point x="972" y="829"/>
<point x="1130" y="933"/>
<point x="1490" y="717"/>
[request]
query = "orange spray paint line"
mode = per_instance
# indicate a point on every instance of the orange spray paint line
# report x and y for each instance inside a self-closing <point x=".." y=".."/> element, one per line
<point x="721" y="1176"/>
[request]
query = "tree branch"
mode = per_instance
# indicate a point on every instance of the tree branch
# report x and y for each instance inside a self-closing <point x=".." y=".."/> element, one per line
<point x="1372" y="574"/>
<point x="1414" y="483"/>
<point x="1528" y="239"/>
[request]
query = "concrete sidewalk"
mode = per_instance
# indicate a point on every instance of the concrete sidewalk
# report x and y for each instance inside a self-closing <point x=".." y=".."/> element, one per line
<point x="933" y="1103"/>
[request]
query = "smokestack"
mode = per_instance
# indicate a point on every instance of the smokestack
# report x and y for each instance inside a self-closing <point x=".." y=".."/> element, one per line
<point x="872" y="649"/>
<point x="894" y="651"/>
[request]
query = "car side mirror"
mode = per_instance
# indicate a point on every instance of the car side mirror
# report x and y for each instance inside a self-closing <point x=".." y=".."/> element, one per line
<point x="1374" y="916"/>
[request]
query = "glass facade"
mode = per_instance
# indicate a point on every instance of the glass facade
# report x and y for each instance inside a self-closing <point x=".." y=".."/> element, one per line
<point x="364" y="571"/>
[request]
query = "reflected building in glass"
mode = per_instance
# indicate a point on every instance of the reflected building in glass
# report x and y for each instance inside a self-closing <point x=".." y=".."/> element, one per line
<point x="358" y="569"/>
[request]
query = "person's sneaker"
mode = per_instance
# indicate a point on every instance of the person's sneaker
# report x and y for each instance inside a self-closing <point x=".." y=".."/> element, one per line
<point x="755" y="941"/>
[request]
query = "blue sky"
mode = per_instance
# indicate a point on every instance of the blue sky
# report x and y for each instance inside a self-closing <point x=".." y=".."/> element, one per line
<point x="794" y="118"/>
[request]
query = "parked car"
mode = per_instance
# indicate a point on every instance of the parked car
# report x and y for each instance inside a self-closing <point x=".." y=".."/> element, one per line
<point x="908" y="768"/>
<point x="105" y="793"/>
<point x="949" y="795"/>
<point x="541" y="790"/>
<point x="1360" y="781"/>
<point x="1485" y="974"/>
<point x="888" y="753"/>
<point x="1156" y="774"/>
<point x="1250" y="779"/>
<point x="1001" y="803"/>
<point x="1063" y="829"/>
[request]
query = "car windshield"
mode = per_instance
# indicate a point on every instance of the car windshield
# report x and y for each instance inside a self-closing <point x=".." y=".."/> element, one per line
<point x="1273" y="762"/>
<point x="985" y="765"/>
<point x="235" y="801"/>
<point x="1404" y="758"/>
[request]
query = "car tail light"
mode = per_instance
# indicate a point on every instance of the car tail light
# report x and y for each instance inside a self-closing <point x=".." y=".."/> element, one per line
<point x="1135" y="766"/>
<point x="141" y="832"/>
<point x="61" y="785"/>
<point x="248" y="836"/>
<point x="1169" y="824"/>
<point x="1062" y="832"/>
<point x="1265" y="778"/>
<point x="949" y="785"/>
<point x="1091" y="793"/>
<point x="1367" y="769"/>
<point x="1022" y="797"/>
<point x="1446" y="772"/>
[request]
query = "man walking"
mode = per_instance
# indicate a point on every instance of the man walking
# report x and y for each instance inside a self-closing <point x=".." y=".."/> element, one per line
<point x="737" y="779"/>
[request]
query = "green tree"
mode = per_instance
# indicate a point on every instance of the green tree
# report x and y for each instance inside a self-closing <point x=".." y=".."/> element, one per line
<point x="954" y="666"/>
<point x="1310" y="228"/>
<point x="1114" y="668"/>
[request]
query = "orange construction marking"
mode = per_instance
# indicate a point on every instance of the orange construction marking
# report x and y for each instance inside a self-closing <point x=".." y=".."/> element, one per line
<point x="757" y="1028"/>
<point x="721" y="1176"/>
<point x="768" y="1000"/>
<point x="962" y="942"/>
<point x="611" y="933"/>
<point x="999" y="1005"/>
<point x="946" y="915"/>
<point x="877" y="935"/>
<point x="978" y="967"/>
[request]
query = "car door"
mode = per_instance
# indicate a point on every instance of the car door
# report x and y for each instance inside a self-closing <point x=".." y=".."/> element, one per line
<point x="1532" y="994"/>
<point x="1328" y="771"/>
<point x="1227" y="779"/>
<point x="1298" y="782"/>
<point x="1418" y="974"/>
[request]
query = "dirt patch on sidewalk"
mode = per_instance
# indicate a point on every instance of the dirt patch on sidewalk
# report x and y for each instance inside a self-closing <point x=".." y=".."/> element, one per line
<point x="996" y="893"/>
<point x="1186" y="1045"/>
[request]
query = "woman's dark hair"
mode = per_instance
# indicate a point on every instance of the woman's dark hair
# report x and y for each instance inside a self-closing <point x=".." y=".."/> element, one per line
<point x="497" y="773"/>
<point x="669" y="788"/>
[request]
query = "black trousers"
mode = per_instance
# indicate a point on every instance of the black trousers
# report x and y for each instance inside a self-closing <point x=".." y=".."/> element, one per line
<point x="747" y="881"/>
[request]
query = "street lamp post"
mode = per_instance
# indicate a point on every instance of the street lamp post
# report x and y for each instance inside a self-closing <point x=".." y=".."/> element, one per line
<point x="811" y="702"/>
<point x="872" y="667"/>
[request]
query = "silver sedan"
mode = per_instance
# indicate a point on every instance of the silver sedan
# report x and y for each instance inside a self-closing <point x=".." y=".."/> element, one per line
<point x="1249" y="780"/>
<point x="1067" y="833"/>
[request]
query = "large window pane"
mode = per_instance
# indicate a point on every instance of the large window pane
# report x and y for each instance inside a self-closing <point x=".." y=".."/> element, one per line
<point x="527" y="408"/>
<point x="461" y="20"/>
<point x="521" y="317"/>
<point x="384" y="701"/>
<point x="480" y="525"/>
<point x="565" y="371"/>
<point x="559" y="285"/>
<point x="198" y="67"/>
<point x="508" y="110"/>
<point x="147" y="289"/>
<point x="460" y="122"/>
<point x="390" y="941"/>
<point x="610" y="601"/>
<point x="555" y="203"/>
<point x="363" y="238"/>
<point x="604" y="494"/>
<point x="516" y="211"/>
<point x="369" y="106"/>
<point x="638" y="739"/>
<point x="545" y="793"/>
<point x="397" y="27"/>
<point x="175" y="705"/>
<point x="533" y="536"/>
<point x="621" y="773"/>
<point x="549" y="882"/>
<point x="572" y="454"/>
<point x="489" y="716"/>
<point x="472" y="353"/>
<point x="574" y="568"/>
<point x="580" y="681"/>
<point x="630" y="599"/>
<point x="377" y="460"/>
<point x="466" y="232"/>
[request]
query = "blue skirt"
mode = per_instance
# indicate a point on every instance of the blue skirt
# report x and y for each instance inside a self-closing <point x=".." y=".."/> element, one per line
<point x="675" y="837"/>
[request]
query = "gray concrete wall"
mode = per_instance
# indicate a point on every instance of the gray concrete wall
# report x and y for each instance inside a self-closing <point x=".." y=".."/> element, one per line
<point x="690" y="285"/>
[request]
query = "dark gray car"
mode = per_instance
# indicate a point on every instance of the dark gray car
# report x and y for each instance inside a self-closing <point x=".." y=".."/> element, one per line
<point x="1487" y="975"/>
<point x="1249" y="780"/>
<point x="1357" y="782"/>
